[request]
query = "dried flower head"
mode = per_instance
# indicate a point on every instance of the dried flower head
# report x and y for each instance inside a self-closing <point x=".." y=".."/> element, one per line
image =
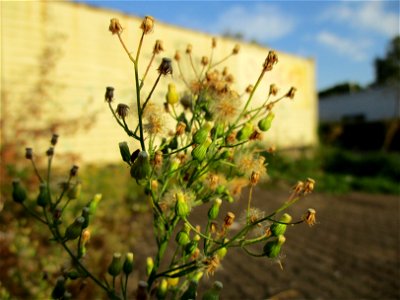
<point x="211" y="264"/>
<point x="236" y="49"/>
<point x="309" y="217"/>
<point x="115" y="27"/>
<point x="213" y="181"/>
<point x="255" y="136"/>
<point x="254" y="178"/>
<point x="298" y="188"/>
<point x="109" y="96"/>
<point x="147" y="24"/>
<point x="165" y="67"/>
<point x="158" y="159"/>
<point x="270" y="61"/>
<point x="273" y="89"/>
<point x="122" y="110"/>
<point x="28" y="153"/>
<point x="309" y="186"/>
<point x="158" y="47"/>
<point x="290" y="94"/>
<point x="225" y="108"/>
<point x="154" y="119"/>
<point x="204" y="60"/>
<point x="228" y="220"/>
<point x="180" y="128"/>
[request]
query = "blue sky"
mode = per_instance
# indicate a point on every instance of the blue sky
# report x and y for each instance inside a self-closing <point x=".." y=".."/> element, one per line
<point x="343" y="36"/>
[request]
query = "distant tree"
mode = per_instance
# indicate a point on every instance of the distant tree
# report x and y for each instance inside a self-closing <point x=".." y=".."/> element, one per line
<point x="387" y="69"/>
<point x="341" y="88"/>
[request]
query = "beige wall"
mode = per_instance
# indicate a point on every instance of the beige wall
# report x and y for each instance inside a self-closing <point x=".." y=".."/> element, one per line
<point x="92" y="59"/>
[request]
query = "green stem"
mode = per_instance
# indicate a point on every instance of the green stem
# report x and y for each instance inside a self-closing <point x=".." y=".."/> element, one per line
<point x="123" y="125"/>
<point x="151" y="92"/>
<point x="33" y="214"/>
<point x="139" y="110"/>
<point x="36" y="171"/>
<point x="147" y="70"/>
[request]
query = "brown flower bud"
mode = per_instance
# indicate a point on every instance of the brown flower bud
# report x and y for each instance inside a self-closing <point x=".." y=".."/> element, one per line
<point x="225" y="71"/>
<point x="28" y="153"/>
<point x="236" y="49"/>
<point x="147" y="24"/>
<point x="122" y="110"/>
<point x="109" y="96"/>
<point x="249" y="88"/>
<point x="270" y="61"/>
<point x="290" y="94"/>
<point x="273" y="89"/>
<point x="158" y="47"/>
<point x="204" y="60"/>
<point x="54" y="139"/>
<point x="115" y="27"/>
<point x="50" y="151"/>
<point x="74" y="171"/>
<point x="214" y="42"/>
<point x="165" y="67"/>
<point x="177" y="56"/>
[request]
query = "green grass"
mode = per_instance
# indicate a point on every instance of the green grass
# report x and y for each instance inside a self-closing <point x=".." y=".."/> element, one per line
<point x="339" y="171"/>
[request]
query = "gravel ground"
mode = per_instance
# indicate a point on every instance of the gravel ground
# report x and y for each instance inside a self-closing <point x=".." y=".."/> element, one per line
<point x="352" y="253"/>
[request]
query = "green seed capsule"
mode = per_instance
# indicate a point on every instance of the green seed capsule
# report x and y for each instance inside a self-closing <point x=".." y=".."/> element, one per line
<point x="265" y="124"/>
<point x="59" y="289"/>
<point x="218" y="130"/>
<point x="115" y="267"/>
<point x="199" y="152"/>
<point x="125" y="152"/>
<point x="182" y="238"/>
<point x="278" y="229"/>
<point x="162" y="290"/>
<point x="273" y="248"/>
<point x="128" y="263"/>
<point x="149" y="265"/>
<point x="42" y="198"/>
<point x="245" y="132"/>
<point x="190" y="248"/>
<point x="141" y="168"/>
<point x="18" y="193"/>
<point x="74" y="230"/>
<point x="213" y="293"/>
<point x="221" y="252"/>
<point x="85" y="214"/>
<point x="214" y="209"/>
<point x="201" y="135"/>
<point x="181" y="207"/>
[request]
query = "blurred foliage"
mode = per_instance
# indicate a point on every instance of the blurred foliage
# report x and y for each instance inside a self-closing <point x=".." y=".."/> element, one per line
<point x="30" y="264"/>
<point x="387" y="69"/>
<point x="339" y="171"/>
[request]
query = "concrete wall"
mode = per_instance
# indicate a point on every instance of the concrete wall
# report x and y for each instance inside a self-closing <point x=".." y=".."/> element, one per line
<point x="91" y="59"/>
<point x="375" y="104"/>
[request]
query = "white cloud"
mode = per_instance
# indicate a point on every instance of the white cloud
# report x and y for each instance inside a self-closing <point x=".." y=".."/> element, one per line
<point x="354" y="49"/>
<point x="262" y="22"/>
<point x="368" y="15"/>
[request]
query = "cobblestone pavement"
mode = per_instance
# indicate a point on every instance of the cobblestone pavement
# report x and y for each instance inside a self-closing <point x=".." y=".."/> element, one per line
<point x="352" y="253"/>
